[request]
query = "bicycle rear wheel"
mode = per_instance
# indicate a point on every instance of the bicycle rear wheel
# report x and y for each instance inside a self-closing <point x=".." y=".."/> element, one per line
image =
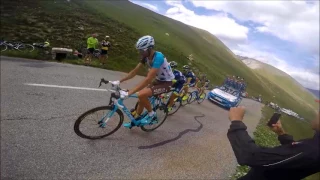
<point x="25" y="48"/>
<point x="3" y="47"/>
<point x="97" y="123"/>
<point x="201" y="98"/>
<point x="162" y="113"/>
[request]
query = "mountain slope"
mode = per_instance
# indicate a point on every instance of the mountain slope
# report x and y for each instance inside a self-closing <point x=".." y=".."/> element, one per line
<point x="315" y="92"/>
<point x="282" y="80"/>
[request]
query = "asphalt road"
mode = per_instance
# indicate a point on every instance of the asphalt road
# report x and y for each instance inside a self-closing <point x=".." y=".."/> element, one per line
<point x="38" y="141"/>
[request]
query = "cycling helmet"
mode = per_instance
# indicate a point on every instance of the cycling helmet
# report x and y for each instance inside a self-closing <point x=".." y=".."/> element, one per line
<point x="203" y="75"/>
<point x="107" y="37"/>
<point x="173" y="64"/>
<point x="145" y="42"/>
<point x="186" y="67"/>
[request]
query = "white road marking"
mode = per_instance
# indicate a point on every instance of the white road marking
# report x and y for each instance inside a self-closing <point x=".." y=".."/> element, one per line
<point x="65" y="87"/>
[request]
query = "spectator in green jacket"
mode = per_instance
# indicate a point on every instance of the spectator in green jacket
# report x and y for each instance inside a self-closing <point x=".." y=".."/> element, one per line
<point x="92" y="42"/>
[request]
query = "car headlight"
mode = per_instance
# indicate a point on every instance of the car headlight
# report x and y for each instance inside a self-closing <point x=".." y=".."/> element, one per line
<point x="232" y="100"/>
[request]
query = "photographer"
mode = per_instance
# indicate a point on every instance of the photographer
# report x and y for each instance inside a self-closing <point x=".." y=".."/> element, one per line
<point x="291" y="160"/>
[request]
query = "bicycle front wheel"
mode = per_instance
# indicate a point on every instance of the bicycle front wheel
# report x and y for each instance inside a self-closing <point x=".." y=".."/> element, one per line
<point x="184" y="99"/>
<point x="201" y="98"/>
<point x="94" y="124"/>
<point x="175" y="106"/>
<point x="162" y="113"/>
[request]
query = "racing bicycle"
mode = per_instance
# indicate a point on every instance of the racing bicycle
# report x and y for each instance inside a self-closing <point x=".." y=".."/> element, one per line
<point x="16" y="46"/>
<point x="178" y="102"/>
<point x="195" y="96"/>
<point x="102" y="123"/>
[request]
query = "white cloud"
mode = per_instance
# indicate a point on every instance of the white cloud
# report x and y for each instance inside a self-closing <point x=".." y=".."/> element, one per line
<point x="306" y="77"/>
<point x="295" y="21"/>
<point x="151" y="7"/>
<point x="220" y="24"/>
<point x="146" y="5"/>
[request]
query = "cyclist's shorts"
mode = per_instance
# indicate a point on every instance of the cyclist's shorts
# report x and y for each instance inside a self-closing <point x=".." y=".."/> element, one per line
<point x="90" y="50"/>
<point x="178" y="86"/>
<point x="104" y="52"/>
<point x="159" y="87"/>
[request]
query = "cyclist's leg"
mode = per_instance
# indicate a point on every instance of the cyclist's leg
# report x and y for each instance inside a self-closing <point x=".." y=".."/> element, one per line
<point x="157" y="88"/>
<point x="186" y="90"/>
<point x="140" y="106"/>
<point x="144" y="101"/>
<point x="89" y="55"/>
<point x="201" y="92"/>
<point x="178" y="87"/>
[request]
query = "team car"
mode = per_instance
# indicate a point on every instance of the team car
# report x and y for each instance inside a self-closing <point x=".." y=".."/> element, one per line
<point x="226" y="97"/>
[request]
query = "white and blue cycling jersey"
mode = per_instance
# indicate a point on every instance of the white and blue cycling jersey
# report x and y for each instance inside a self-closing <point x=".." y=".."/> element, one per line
<point x="160" y="62"/>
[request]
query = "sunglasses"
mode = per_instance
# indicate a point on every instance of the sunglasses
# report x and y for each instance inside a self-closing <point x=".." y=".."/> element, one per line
<point x="142" y="51"/>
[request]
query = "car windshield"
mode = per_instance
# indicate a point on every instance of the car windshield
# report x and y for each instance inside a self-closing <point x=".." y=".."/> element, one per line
<point x="235" y="93"/>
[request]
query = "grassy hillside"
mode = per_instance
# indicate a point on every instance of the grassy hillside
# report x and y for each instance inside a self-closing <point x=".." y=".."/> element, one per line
<point x="284" y="82"/>
<point x="316" y="93"/>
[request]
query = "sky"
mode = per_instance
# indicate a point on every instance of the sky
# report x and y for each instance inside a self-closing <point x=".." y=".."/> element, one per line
<point x="284" y="34"/>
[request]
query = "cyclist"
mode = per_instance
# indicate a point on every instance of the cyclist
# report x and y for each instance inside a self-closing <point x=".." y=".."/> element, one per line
<point x="159" y="69"/>
<point x="179" y="80"/>
<point x="191" y="80"/>
<point x="202" y="83"/>
<point x="104" y="50"/>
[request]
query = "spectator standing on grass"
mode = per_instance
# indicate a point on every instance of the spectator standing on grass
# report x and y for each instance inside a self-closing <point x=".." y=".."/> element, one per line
<point x="105" y="44"/>
<point x="291" y="160"/>
<point x="92" y="42"/>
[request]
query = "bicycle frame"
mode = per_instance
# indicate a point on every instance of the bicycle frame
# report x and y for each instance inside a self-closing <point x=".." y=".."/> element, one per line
<point x="118" y="104"/>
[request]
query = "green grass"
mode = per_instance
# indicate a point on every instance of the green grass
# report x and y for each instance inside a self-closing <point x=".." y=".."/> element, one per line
<point x="286" y="83"/>
<point x="31" y="55"/>
<point x="264" y="137"/>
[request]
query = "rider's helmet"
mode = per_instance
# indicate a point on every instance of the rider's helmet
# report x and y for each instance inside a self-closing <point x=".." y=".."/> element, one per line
<point x="145" y="43"/>
<point x="173" y="64"/>
<point x="203" y="76"/>
<point x="185" y="67"/>
<point x="107" y="37"/>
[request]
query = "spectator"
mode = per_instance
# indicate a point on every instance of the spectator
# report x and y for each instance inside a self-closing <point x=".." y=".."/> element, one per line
<point x="227" y="81"/>
<point x="239" y="84"/>
<point x="92" y="42"/>
<point x="104" y="50"/>
<point x="291" y="160"/>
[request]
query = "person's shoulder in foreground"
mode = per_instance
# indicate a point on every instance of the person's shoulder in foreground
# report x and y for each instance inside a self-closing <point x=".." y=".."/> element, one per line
<point x="291" y="160"/>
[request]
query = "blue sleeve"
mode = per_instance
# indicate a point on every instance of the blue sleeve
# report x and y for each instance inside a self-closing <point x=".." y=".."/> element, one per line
<point x="189" y="75"/>
<point x="158" y="61"/>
